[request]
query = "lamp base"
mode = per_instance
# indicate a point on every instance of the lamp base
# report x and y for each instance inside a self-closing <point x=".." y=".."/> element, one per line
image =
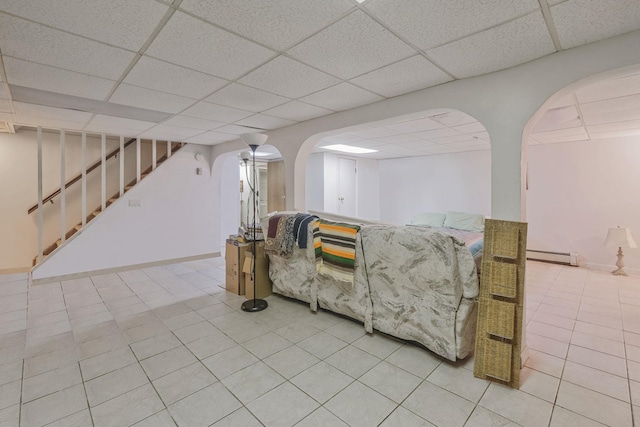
<point x="620" y="264"/>
<point x="252" y="305"/>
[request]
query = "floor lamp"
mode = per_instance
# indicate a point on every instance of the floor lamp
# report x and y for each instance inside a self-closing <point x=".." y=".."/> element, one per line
<point x="254" y="140"/>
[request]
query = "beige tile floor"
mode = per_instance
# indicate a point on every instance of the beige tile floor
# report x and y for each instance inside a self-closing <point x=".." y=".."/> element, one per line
<point x="167" y="345"/>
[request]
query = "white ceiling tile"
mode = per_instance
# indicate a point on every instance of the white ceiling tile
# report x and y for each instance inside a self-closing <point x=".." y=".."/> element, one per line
<point x="23" y="109"/>
<point x="436" y="133"/>
<point x="376" y="132"/>
<point x="235" y="129"/>
<point x="344" y="138"/>
<point x="396" y="149"/>
<point x="470" y="128"/>
<point x="289" y="78"/>
<point x="162" y="76"/>
<point x="430" y="23"/>
<point x="218" y="113"/>
<point x="532" y="141"/>
<point x="572" y="134"/>
<point x="610" y="116"/>
<point x="112" y="130"/>
<point x="505" y="46"/>
<point x="452" y="118"/>
<point x="265" y="122"/>
<point x="398" y="139"/>
<point x="297" y="111"/>
<point x="37" y="76"/>
<point x="481" y="135"/>
<point x="115" y="122"/>
<point x="453" y="138"/>
<point x="608" y="127"/>
<point x="37" y="43"/>
<point x="161" y="135"/>
<point x="405" y="76"/>
<point x="3" y="91"/>
<point x="246" y="98"/>
<point x="630" y="102"/>
<point x="341" y="97"/>
<point x="195" y="44"/>
<point x="584" y="21"/>
<point x="417" y="144"/>
<point x="5" y="106"/>
<point x="468" y="145"/>
<point x="415" y="125"/>
<point x="563" y="101"/>
<point x="615" y="133"/>
<point x="558" y="118"/>
<point x="150" y="99"/>
<point x="609" y="88"/>
<point x="212" y="138"/>
<point x="352" y="46"/>
<point x="123" y="23"/>
<point x="275" y="23"/>
<point x="175" y="131"/>
<point x="193" y="123"/>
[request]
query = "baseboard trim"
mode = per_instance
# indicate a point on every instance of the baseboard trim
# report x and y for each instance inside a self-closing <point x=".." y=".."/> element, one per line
<point x="82" y="275"/>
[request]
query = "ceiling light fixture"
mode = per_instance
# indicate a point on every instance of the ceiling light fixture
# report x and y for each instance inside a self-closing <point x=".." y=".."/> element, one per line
<point x="349" y="149"/>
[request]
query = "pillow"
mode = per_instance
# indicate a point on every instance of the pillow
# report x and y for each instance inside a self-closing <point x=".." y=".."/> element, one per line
<point x="428" y="218"/>
<point x="465" y="221"/>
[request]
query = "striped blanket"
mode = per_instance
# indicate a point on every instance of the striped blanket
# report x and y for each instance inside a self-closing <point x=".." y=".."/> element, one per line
<point x="336" y="249"/>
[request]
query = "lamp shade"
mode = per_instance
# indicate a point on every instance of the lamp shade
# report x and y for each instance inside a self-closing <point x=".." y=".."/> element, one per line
<point x="254" y="139"/>
<point x="620" y="237"/>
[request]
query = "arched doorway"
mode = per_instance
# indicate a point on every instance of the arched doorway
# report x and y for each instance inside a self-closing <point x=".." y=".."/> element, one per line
<point x="582" y="155"/>
<point x="435" y="161"/>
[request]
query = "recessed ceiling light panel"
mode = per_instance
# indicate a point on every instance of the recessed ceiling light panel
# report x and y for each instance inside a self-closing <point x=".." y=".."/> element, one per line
<point x="349" y="149"/>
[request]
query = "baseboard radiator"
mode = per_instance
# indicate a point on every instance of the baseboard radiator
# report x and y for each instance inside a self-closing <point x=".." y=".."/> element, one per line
<point x="553" y="257"/>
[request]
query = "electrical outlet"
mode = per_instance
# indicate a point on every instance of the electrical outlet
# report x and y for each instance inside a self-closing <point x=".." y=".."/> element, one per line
<point x="134" y="203"/>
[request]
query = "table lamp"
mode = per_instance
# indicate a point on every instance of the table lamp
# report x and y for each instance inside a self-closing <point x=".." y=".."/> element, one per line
<point x="620" y="237"/>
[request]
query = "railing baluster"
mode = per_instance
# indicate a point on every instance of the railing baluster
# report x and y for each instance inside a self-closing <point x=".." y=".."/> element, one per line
<point x="40" y="213"/>
<point x="121" y="166"/>
<point x="137" y="160"/>
<point x="63" y="192"/>
<point x="84" y="179"/>
<point x="168" y="149"/>
<point x="103" y="170"/>
<point x="153" y="155"/>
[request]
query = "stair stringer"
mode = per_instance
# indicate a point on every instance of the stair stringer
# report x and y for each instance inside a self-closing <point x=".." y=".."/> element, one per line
<point x="174" y="220"/>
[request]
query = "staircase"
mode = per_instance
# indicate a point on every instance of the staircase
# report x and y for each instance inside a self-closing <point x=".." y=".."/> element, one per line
<point x="95" y="213"/>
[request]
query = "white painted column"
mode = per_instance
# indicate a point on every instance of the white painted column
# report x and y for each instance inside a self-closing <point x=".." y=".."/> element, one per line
<point x="137" y="160"/>
<point x="103" y="170"/>
<point x="63" y="190"/>
<point x="40" y="213"/>
<point x="84" y="179"/>
<point x="168" y="149"/>
<point x="153" y="154"/>
<point x="121" y="166"/>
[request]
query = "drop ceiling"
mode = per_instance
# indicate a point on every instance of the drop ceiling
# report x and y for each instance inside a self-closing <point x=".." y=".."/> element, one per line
<point x="217" y="68"/>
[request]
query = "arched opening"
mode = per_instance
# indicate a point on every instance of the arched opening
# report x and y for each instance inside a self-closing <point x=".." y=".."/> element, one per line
<point x="582" y="154"/>
<point x="389" y="171"/>
<point x="239" y="191"/>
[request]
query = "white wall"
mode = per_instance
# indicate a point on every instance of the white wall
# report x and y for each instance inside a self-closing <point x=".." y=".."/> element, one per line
<point x="176" y="220"/>
<point x="368" y="178"/>
<point x="19" y="187"/>
<point x="577" y="191"/>
<point x="315" y="182"/>
<point x="440" y="183"/>
<point x="229" y="200"/>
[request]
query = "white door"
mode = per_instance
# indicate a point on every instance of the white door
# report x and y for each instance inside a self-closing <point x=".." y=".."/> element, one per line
<point x="347" y="187"/>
